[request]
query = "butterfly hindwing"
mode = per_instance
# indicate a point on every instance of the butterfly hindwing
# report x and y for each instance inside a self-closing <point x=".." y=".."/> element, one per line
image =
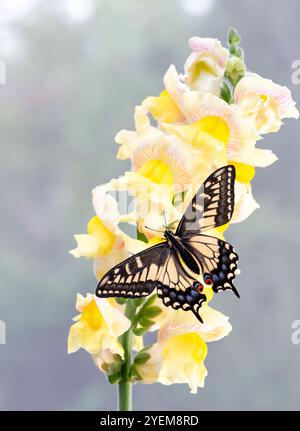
<point x="218" y="260"/>
<point x="177" y="288"/>
<point x="136" y="276"/>
<point x="189" y="299"/>
<point x="212" y="205"/>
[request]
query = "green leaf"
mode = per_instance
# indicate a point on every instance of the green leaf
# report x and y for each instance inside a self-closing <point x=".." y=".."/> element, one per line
<point x="114" y="378"/>
<point x="236" y="51"/>
<point x="151" y="312"/>
<point x="141" y="236"/>
<point x="233" y="36"/>
<point x="146" y="323"/>
<point x="225" y="93"/>
<point x="113" y="367"/>
<point x="232" y="49"/>
<point x="141" y="358"/>
<point x="121" y="301"/>
<point x="235" y="70"/>
<point x="138" y="301"/>
<point x="140" y="331"/>
<point x="134" y="372"/>
<point x="151" y="299"/>
<point x="239" y="53"/>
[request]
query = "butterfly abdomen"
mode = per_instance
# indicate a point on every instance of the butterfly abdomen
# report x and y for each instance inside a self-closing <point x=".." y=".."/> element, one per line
<point x="182" y="253"/>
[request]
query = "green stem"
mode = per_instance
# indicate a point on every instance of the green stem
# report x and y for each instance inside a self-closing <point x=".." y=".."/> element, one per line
<point x="125" y="396"/>
<point x="125" y="387"/>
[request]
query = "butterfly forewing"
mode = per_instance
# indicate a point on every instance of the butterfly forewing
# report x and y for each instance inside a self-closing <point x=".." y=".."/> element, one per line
<point x="212" y="205"/>
<point x="136" y="276"/>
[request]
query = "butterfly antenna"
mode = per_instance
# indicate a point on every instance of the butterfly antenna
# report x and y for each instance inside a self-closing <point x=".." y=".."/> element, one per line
<point x="155" y="230"/>
<point x="165" y="220"/>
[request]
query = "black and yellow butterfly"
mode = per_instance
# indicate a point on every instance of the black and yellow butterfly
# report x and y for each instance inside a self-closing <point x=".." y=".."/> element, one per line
<point x="187" y="261"/>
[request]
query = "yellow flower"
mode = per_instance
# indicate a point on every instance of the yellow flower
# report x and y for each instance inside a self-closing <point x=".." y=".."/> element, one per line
<point x="162" y="167"/>
<point x="155" y="155"/>
<point x="215" y="125"/>
<point x="104" y="241"/>
<point x="179" y="360"/>
<point x="163" y="108"/>
<point x="264" y="102"/>
<point x="224" y="121"/>
<point x="204" y="68"/>
<point x="97" y="327"/>
<point x="245" y="203"/>
<point x="180" y="351"/>
<point x="101" y="236"/>
<point x="244" y="173"/>
<point x="183" y="361"/>
<point x="151" y="200"/>
<point x="98" y="241"/>
<point x="172" y="322"/>
<point x="128" y="139"/>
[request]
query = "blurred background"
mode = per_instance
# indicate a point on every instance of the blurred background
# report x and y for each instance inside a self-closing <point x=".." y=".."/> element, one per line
<point x="75" y="70"/>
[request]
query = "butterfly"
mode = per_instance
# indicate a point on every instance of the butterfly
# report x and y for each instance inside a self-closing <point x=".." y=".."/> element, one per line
<point x="188" y="260"/>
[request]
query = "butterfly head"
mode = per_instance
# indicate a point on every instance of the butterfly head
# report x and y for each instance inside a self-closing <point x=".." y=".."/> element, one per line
<point x="169" y="235"/>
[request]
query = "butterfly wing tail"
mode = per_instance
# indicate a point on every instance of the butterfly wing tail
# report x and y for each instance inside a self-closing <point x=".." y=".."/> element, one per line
<point x="196" y="311"/>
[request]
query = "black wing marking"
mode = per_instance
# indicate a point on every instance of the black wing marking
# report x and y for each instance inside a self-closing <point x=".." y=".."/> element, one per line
<point x="190" y="299"/>
<point x="217" y="258"/>
<point x="136" y="276"/>
<point x="157" y="266"/>
<point x="212" y="205"/>
<point x="177" y="289"/>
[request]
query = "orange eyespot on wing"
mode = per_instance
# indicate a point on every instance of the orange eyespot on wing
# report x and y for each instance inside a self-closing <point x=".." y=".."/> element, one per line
<point x="208" y="280"/>
<point x="198" y="286"/>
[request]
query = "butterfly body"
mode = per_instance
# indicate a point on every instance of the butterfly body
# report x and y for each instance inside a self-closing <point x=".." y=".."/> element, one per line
<point x="188" y="260"/>
<point x="182" y="253"/>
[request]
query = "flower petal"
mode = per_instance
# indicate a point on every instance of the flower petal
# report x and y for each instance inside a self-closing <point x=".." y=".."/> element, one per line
<point x="173" y="322"/>
<point x="204" y="68"/>
<point x="245" y="203"/>
<point x="264" y="102"/>
<point x="106" y="207"/>
<point x="163" y="108"/>
<point x="99" y="240"/>
<point x="98" y="327"/>
<point x="116" y="321"/>
<point x="184" y="368"/>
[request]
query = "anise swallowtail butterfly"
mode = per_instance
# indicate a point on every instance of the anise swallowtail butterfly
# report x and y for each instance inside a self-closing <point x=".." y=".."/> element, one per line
<point x="187" y="261"/>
